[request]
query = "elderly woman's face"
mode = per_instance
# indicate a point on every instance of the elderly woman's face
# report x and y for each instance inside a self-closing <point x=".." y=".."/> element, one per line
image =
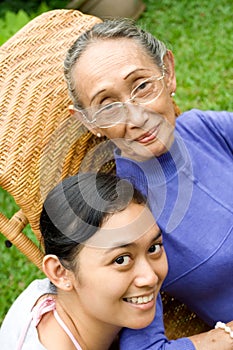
<point x="111" y="71"/>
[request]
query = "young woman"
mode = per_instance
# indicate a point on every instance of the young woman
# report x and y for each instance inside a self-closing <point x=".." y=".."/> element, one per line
<point x="104" y="261"/>
<point x="121" y="80"/>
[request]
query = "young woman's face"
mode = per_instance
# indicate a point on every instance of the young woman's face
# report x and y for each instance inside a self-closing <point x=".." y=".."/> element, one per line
<point x="107" y="72"/>
<point x="118" y="285"/>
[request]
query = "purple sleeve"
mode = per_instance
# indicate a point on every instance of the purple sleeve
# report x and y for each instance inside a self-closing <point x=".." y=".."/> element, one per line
<point x="152" y="337"/>
<point x="207" y="123"/>
<point x="223" y="122"/>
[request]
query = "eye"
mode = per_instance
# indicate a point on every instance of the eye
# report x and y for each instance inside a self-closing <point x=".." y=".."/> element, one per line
<point x="143" y="88"/>
<point x="108" y="106"/>
<point x="110" y="112"/>
<point x="123" y="260"/>
<point x="155" y="248"/>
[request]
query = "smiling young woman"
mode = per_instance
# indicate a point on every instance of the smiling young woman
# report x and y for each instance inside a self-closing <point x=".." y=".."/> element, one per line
<point x="104" y="261"/>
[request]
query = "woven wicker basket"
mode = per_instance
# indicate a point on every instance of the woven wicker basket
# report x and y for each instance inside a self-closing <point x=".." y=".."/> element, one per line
<point x="34" y="108"/>
<point x="40" y="143"/>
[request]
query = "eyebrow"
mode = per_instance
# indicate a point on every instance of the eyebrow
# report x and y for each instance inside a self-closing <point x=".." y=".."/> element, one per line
<point x="135" y="71"/>
<point x="124" y="245"/>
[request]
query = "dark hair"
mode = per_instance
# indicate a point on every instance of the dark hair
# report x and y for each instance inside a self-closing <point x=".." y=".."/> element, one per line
<point x="75" y="209"/>
<point x="111" y="29"/>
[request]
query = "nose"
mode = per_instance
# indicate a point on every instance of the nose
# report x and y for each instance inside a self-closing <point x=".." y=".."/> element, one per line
<point x="145" y="274"/>
<point x="136" y="115"/>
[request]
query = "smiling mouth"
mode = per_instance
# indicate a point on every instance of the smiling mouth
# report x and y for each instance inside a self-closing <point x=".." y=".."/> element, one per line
<point x="140" y="300"/>
<point x="149" y="136"/>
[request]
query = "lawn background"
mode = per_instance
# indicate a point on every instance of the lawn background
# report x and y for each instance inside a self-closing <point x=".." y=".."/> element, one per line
<point x="200" y="34"/>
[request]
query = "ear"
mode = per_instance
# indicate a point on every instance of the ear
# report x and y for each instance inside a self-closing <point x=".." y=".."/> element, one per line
<point x="94" y="130"/>
<point x="57" y="273"/>
<point x="170" y="76"/>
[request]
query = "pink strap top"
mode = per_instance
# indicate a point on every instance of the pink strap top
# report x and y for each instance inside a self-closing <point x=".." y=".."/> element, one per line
<point x="46" y="305"/>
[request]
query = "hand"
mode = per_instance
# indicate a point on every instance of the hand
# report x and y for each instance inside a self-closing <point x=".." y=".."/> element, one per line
<point x="213" y="339"/>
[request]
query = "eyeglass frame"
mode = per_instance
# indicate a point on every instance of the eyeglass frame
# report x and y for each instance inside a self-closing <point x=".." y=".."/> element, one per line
<point x="72" y="107"/>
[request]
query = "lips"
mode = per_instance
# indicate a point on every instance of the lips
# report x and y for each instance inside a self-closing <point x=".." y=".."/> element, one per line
<point x="149" y="136"/>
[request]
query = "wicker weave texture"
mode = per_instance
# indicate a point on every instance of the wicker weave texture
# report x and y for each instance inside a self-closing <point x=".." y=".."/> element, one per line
<point x="34" y="109"/>
<point x="179" y="321"/>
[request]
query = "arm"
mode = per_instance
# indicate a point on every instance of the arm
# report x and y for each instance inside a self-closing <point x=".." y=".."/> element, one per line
<point x="206" y="123"/>
<point x="222" y="124"/>
<point x="226" y="128"/>
<point x="214" y="339"/>
<point x="153" y="337"/>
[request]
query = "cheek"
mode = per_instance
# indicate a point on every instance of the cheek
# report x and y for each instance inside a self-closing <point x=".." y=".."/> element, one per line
<point x="115" y="132"/>
<point x="116" y="289"/>
<point x="164" y="266"/>
<point x="165" y="107"/>
<point x="107" y="283"/>
<point x="161" y="268"/>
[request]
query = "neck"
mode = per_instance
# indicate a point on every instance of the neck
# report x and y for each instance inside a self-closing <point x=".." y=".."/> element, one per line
<point x="90" y="333"/>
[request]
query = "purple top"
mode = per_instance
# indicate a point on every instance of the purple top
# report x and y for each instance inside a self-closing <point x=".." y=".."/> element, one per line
<point x="190" y="191"/>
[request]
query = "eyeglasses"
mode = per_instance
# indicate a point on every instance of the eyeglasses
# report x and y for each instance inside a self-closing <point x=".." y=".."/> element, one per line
<point x="114" y="113"/>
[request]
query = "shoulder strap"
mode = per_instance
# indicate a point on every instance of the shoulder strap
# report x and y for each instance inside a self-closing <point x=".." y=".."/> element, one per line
<point x="44" y="306"/>
<point x="66" y="329"/>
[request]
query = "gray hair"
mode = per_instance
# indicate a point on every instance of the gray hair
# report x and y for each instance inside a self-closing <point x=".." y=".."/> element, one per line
<point x="115" y="28"/>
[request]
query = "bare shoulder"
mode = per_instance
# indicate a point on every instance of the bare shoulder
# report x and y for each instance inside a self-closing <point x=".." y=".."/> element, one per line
<point x="51" y="335"/>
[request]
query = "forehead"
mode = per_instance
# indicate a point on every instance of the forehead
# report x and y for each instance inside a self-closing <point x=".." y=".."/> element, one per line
<point x="109" y="59"/>
<point x="111" y="51"/>
<point x="124" y="227"/>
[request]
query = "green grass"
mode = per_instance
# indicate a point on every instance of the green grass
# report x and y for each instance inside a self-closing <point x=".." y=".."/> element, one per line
<point x="16" y="272"/>
<point x="200" y="33"/>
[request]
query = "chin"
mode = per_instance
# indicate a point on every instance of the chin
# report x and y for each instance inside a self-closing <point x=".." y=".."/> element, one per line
<point x="142" y="323"/>
<point x="143" y="320"/>
<point x="159" y="151"/>
<point x="161" y="148"/>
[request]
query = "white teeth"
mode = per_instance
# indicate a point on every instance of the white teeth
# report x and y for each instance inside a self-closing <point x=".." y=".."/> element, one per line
<point x="140" y="300"/>
<point x="151" y="297"/>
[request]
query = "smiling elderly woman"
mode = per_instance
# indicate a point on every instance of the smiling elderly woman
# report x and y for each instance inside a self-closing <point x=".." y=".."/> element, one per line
<point x="121" y="80"/>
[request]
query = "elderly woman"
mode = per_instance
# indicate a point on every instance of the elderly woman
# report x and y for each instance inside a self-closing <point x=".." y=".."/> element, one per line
<point x="121" y="80"/>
